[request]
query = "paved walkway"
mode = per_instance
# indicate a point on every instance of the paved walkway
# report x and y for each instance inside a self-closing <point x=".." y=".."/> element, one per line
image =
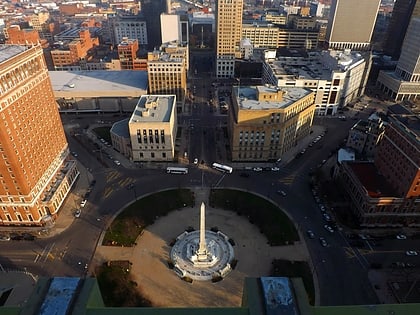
<point x="163" y="287"/>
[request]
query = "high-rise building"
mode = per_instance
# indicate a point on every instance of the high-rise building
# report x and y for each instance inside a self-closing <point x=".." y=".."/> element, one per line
<point x="229" y="33"/>
<point x="351" y="24"/>
<point x="35" y="172"/>
<point x="404" y="82"/>
<point x="401" y="14"/>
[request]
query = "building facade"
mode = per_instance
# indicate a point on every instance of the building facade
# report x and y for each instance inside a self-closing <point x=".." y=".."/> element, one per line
<point x="264" y="35"/>
<point x="71" y="53"/>
<point x="132" y="27"/>
<point x="386" y="192"/>
<point x="36" y="172"/>
<point x="228" y="36"/>
<point x="351" y="24"/>
<point x="401" y="15"/>
<point x="167" y="70"/>
<point x="336" y="77"/>
<point x="266" y="121"/>
<point x="404" y="82"/>
<point x="364" y="136"/>
<point x="152" y="128"/>
<point x="127" y="53"/>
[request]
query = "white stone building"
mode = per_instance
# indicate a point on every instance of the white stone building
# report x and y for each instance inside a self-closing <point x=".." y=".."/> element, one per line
<point x="152" y="128"/>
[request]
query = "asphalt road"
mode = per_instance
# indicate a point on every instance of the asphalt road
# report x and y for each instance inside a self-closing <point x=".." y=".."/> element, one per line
<point x="340" y="268"/>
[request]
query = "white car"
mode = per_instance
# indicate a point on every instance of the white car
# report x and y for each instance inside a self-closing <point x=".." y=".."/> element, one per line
<point x="328" y="228"/>
<point x="401" y="237"/>
<point x="196" y="161"/>
<point x="257" y="169"/>
<point x="275" y="169"/>
<point x="411" y="253"/>
<point x="282" y="192"/>
<point x="83" y="203"/>
<point x="117" y="162"/>
<point x="77" y="213"/>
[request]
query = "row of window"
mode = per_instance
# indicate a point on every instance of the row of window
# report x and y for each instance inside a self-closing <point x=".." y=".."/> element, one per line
<point x="150" y="136"/>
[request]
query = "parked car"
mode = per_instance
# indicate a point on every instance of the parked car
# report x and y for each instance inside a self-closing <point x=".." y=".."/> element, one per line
<point x="310" y="234"/>
<point x="77" y="213"/>
<point x="328" y="228"/>
<point x="323" y="242"/>
<point x="4" y="238"/>
<point x="257" y="169"/>
<point x="275" y="169"/>
<point x="83" y="203"/>
<point x="117" y="162"/>
<point x="282" y="193"/>
<point x="243" y="174"/>
<point x="401" y="237"/>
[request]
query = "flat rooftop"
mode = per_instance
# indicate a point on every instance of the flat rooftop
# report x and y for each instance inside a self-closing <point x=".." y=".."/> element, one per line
<point x="315" y="66"/>
<point x="153" y="108"/>
<point x="99" y="83"/>
<point x="374" y="183"/>
<point x="247" y="97"/>
<point x="9" y="51"/>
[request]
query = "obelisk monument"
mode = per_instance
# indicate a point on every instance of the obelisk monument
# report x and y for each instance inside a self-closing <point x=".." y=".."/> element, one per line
<point x="202" y="248"/>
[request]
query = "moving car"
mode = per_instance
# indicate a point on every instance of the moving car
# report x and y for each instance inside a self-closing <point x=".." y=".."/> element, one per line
<point x="401" y="237"/>
<point x="77" y="213"/>
<point x="282" y="193"/>
<point x="411" y="253"/>
<point x="83" y="203"/>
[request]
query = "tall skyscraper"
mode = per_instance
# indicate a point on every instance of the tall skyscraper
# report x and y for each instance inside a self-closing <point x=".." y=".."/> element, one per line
<point x="351" y="24"/>
<point x="401" y="14"/>
<point x="404" y="82"/>
<point x="229" y="33"/>
<point x="35" y="172"/>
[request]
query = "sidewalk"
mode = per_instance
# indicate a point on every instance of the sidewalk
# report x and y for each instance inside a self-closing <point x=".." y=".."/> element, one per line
<point x="163" y="287"/>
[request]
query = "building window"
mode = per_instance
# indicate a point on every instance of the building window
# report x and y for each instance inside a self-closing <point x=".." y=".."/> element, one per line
<point x="164" y="155"/>
<point x="141" y="154"/>
<point x="152" y="154"/>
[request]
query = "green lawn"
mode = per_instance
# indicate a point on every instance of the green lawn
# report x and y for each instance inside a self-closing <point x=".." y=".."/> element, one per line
<point x="270" y="219"/>
<point x="117" y="287"/>
<point x="126" y="227"/>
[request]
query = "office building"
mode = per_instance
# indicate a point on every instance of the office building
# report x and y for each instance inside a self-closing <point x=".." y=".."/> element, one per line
<point x="404" y="82"/>
<point x="336" y="77"/>
<point x="167" y="70"/>
<point x="351" y="24"/>
<point x="174" y="27"/>
<point x="228" y="36"/>
<point x="69" y="54"/>
<point x="267" y="121"/>
<point x="127" y="53"/>
<point x="386" y="192"/>
<point x="365" y="135"/>
<point x="151" y="11"/>
<point x="131" y="26"/>
<point x="401" y="15"/>
<point x="35" y="172"/>
<point x="268" y="35"/>
<point x="152" y="128"/>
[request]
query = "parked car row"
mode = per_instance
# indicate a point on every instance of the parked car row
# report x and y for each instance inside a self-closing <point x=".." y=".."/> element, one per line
<point x="17" y="237"/>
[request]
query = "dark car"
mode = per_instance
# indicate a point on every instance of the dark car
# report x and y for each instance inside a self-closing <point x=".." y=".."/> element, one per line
<point x="28" y="237"/>
<point x="246" y="175"/>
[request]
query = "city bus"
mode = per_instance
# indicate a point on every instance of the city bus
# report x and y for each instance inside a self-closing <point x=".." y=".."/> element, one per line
<point x="222" y="168"/>
<point x="176" y="170"/>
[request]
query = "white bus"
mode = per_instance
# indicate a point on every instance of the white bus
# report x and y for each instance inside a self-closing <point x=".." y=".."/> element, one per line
<point x="222" y="168"/>
<point x="176" y="170"/>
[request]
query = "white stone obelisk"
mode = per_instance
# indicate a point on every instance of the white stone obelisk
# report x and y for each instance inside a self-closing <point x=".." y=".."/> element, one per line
<point x="202" y="249"/>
